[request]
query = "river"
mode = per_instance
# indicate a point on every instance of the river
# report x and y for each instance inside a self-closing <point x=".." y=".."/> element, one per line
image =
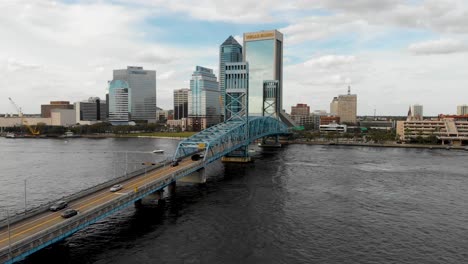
<point x="298" y="204"/>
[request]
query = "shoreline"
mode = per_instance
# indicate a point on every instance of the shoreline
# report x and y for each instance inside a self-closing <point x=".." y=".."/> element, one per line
<point x="378" y="145"/>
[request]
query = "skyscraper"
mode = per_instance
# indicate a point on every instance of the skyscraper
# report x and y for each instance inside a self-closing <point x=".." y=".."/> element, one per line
<point x="119" y="102"/>
<point x="345" y="106"/>
<point x="204" y="106"/>
<point x="462" y="110"/>
<point x="229" y="51"/>
<point x="264" y="52"/>
<point x="181" y="103"/>
<point x="417" y="112"/>
<point x="142" y="84"/>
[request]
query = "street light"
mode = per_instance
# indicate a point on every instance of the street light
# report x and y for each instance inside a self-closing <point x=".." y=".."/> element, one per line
<point x="9" y="232"/>
<point x="25" y="201"/>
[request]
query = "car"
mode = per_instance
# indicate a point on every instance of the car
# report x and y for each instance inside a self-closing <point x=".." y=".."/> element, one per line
<point x="197" y="156"/>
<point x="116" y="187"/>
<point x="69" y="213"/>
<point x="58" y="206"/>
<point x="175" y="163"/>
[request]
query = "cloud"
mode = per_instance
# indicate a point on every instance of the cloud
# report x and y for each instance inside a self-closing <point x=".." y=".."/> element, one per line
<point x="329" y="61"/>
<point x="441" y="46"/>
<point x="14" y="65"/>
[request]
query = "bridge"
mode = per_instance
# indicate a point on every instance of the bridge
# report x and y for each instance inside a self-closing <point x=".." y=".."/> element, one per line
<point x="24" y="234"/>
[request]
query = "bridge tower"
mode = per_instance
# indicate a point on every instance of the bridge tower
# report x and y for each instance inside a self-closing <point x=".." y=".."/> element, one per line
<point x="271" y="107"/>
<point x="237" y="105"/>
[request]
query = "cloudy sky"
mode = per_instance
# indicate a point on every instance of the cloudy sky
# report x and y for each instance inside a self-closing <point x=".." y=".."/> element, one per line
<point x="393" y="53"/>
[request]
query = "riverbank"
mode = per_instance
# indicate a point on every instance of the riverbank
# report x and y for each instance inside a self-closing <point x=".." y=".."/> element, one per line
<point x="380" y="145"/>
<point x="162" y="135"/>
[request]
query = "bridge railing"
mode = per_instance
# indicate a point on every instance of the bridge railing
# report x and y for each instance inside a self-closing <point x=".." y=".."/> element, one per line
<point x="70" y="198"/>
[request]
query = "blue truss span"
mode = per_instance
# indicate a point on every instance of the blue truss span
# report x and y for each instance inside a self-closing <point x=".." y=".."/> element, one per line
<point x="219" y="140"/>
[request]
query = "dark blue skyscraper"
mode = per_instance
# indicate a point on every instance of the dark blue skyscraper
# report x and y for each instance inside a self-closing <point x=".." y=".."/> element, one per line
<point x="229" y="51"/>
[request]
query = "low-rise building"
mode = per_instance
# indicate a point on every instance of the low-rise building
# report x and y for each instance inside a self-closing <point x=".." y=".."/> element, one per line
<point x="325" y="120"/>
<point x="179" y="123"/>
<point x="333" y="127"/>
<point x="46" y="108"/>
<point x="446" y="130"/>
<point x="63" y="117"/>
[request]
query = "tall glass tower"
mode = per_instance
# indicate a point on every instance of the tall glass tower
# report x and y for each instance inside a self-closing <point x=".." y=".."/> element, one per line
<point x="203" y="100"/>
<point x="264" y="52"/>
<point x="229" y="51"/>
<point x="143" y="86"/>
<point x="119" y="103"/>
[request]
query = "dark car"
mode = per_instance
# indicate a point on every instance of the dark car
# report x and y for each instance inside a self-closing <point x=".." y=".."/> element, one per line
<point x="58" y="206"/>
<point x="69" y="213"/>
<point x="197" y="156"/>
<point x="175" y="163"/>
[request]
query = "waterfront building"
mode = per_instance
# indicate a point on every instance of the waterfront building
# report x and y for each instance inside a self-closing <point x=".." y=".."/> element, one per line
<point x="119" y="102"/>
<point x="229" y="51"/>
<point x="63" y="117"/>
<point x="462" y="110"/>
<point x="164" y="115"/>
<point x="264" y="52"/>
<point x="46" y="108"/>
<point x="333" y="127"/>
<point x="236" y="89"/>
<point x="91" y="110"/>
<point x="142" y="84"/>
<point x="345" y="106"/>
<point x="181" y="103"/>
<point x="447" y="129"/>
<point x="176" y="125"/>
<point x="204" y="106"/>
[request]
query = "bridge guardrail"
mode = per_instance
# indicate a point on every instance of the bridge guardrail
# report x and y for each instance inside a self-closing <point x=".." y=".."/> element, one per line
<point x="64" y="229"/>
<point x="70" y="198"/>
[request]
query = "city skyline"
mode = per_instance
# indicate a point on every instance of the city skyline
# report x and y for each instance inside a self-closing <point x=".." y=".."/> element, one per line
<point x="389" y="60"/>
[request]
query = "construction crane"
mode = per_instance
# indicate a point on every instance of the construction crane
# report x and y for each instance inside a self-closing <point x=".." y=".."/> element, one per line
<point x="33" y="131"/>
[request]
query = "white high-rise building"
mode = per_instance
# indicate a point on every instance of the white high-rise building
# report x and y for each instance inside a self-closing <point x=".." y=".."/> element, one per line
<point x="462" y="110"/>
<point x="417" y="112"/>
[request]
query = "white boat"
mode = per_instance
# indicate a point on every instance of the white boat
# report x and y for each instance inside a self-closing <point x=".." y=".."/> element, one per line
<point x="158" y="151"/>
<point x="10" y="135"/>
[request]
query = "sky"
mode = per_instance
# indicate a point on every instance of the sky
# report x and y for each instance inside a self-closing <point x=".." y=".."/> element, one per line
<point x="393" y="53"/>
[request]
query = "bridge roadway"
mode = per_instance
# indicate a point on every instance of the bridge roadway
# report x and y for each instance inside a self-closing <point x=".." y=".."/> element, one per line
<point x="35" y="226"/>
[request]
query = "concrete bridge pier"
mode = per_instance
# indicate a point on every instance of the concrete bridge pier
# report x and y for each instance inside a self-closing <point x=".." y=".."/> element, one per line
<point x="270" y="143"/>
<point x="198" y="176"/>
<point x="240" y="155"/>
<point x="172" y="188"/>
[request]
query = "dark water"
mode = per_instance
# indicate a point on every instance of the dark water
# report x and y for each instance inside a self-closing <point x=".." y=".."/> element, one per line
<point x="301" y="204"/>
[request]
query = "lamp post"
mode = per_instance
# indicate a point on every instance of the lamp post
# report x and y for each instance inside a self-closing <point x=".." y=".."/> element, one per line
<point x="25" y="201"/>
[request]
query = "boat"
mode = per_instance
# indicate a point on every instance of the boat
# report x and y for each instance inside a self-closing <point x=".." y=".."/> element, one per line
<point x="10" y="135"/>
<point x="69" y="134"/>
<point x="158" y="151"/>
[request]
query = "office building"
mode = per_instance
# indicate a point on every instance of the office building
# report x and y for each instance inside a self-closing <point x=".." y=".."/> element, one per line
<point x="300" y="110"/>
<point x="204" y="108"/>
<point x="119" y="102"/>
<point x="142" y="84"/>
<point x="416" y="112"/>
<point x="237" y="87"/>
<point x="91" y="110"/>
<point x="63" y="117"/>
<point x="181" y="103"/>
<point x="333" y="127"/>
<point x="462" y="110"/>
<point x="264" y="52"/>
<point x="46" y="108"/>
<point x="229" y="51"/>
<point x="446" y="129"/>
<point x="345" y="106"/>
<point x="325" y="120"/>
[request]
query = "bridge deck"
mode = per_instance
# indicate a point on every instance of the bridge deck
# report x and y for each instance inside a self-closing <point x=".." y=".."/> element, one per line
<point x="36" y="225"/>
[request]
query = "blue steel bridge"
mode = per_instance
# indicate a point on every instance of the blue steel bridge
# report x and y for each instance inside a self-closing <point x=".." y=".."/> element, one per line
<point x="23" y="234"/>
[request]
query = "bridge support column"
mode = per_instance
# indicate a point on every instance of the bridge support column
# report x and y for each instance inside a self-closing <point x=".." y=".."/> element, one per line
<point x="196" y="177"/>
<point x="172" y="188"/>
<point x="238" y="156"/>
